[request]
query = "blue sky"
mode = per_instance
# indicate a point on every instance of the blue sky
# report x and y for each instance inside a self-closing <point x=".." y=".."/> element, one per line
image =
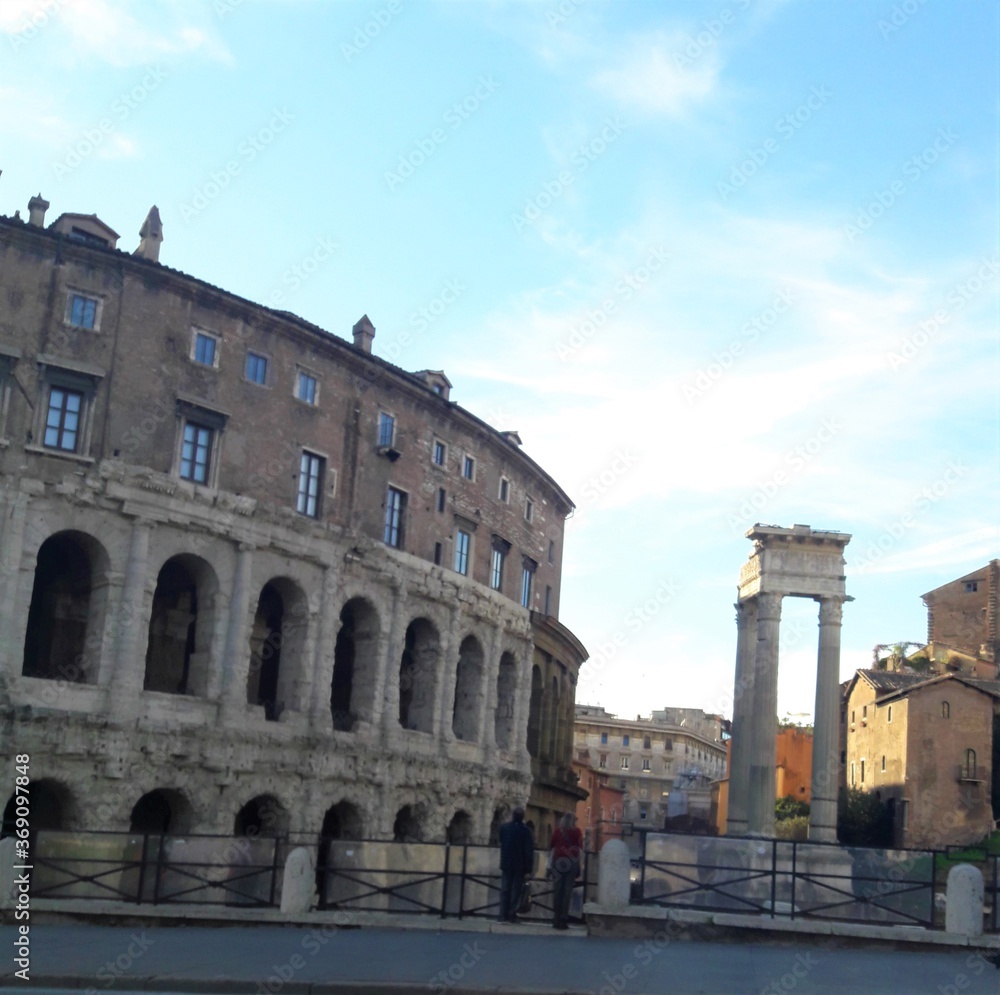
<point x="717" y="263"/>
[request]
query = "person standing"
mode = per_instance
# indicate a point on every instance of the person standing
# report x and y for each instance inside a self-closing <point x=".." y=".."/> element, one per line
<point x="564" y="864"/>
<point x="517" y="861"/>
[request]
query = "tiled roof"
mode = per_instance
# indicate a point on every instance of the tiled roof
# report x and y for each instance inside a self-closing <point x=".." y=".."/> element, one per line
<point x="886" y="681"/>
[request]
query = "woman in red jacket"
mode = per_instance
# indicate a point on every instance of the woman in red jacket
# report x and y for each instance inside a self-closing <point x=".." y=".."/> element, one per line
<point x="564" y="863"/>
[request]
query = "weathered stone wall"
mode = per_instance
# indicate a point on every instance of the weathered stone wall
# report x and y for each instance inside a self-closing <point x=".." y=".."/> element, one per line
<point x="963" y="613"/>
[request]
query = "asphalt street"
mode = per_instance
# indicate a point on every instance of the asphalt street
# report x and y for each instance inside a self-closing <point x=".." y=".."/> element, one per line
<point x="287" y="960"/>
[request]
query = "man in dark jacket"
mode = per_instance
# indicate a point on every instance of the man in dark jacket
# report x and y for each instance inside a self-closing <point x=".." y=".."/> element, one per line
<point x="517" y="861"/>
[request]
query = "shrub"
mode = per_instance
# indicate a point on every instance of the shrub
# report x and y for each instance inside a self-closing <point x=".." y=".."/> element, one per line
<point x="795" y="828"/>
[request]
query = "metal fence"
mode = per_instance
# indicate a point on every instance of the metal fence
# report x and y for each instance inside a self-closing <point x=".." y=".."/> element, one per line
<point x="798" y="880"/>
<point x="440" y="879"/>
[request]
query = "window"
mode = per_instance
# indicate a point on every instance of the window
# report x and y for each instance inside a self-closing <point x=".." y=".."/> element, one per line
<point x="646" y="743"/>
<point x="205" y="349"/>
<point x="307" y="388"/>
<point x="971" y="586"/>
<point x="548" y="600"/>
<point x="852" y="716"/>
<point x="395" y="505"/>
<point x="529" y="509"/>
<point x="196" y="452"/>
<point x="883" y="763"/>
<point x="624" y="763"/>
<point x="642" y="813"/>
<point x="256" y="371"/>
<point x="864" y="711"/>
<point x="310" y="485"/>
<point x="438" y="553"/>
<point x="969" y="767"/>
<point x="442" y="499"/>
<point x="625" y="740"/>
<point x="853" y="782"/>
<point x="386" y="429"/>
<point x="83" y="312"/>
<point x="862" y="770"/>
<point x="469" y="468"/>
<point x="604" y="739"/>
<point x="440" y="453"/>
<point x="668" y="744"/>
<point x="552" y="551"/>
<point x="645" y="763"/>
<point x="504" y="489"/>
<point x="945" y="710"/>
<point x="888" y="716"/>
<point x="62" y="422"/>
<point x="602" y="761"/>
<point x="526" y="576"/>
<point x="497" y="559"/>
<point x="462" y="552"/>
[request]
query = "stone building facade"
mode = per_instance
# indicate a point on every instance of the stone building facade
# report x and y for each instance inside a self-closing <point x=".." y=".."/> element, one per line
<point x="646" y="756"/>
<point x="925" y="746"/>
<point x="256" y="576"/>
<point x="963" y="620"/>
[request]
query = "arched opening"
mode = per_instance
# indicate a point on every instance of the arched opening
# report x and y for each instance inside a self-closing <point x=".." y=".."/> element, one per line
<point x="418" y="676"/>
<point x="161" y="811"/>
<point x="341" y="822"/>
<point x="50" y="808"/>
<point x="407" y="827"/>
<point x="65" y="618"/>
<point x="468" y="690"/>
<point x="180" y="630"/>
<point x="535" y="711"/>
<point x="500" y="816"/>
<point x="355" y="664"/>
<point x="460" y="828"/>
<point x="261" y="816"/>
<point x="969" y="770"/>
<point x="503" y="725"/>
<point x="552" y="730"/>
<point x="276" y="643"/>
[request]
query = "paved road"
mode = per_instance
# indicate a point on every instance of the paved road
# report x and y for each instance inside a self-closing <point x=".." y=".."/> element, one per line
<point x="266" y="960"/>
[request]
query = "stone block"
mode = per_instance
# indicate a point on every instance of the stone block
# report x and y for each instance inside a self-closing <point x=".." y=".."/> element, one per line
<point x="964" y="912"/>
<point x="298" y="886"/>
<point x="613" y="867"/>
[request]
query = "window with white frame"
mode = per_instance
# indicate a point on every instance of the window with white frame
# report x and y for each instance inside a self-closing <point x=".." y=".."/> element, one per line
<point x="462" y="543"/>
<point x="256" y="368"/>
<point x="62" y="420"/>
<point x="624" y="763"/>
<point x="440" y="453"/>
<point x="64" y="413"/>
<point x="310" y="485"/>
<point x="395" y="508"/>
<point x="386" y="429"/>
<point x="307" y="387"/>
<point x="504" y="494"/>
<point x="205" y="348"/>
<point x="198" y="449"/>
<point x="469" y="467"/>
<point x="83" y="311"/>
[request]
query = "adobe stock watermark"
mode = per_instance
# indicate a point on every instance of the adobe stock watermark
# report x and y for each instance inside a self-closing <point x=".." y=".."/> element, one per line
<point x="295" y="276"/>
<point x="380" y="19"/>
<point x="472" y="954"/>
<point x="786" y="126"/>
<point x="710" y="32"/>
<point x="913" y="169"/>
<point x="956" y="299"/>
<point x="921" y="502"/>
<point x="901" y="13"/>
<point x="94" y="138"/>
<point x="114" y="969"/>
<point x="581" y="158"/>
<point x="424" y="316"/>
<point x="454" y="118"/>
<point x="35" y="21"/>
<point x="559" y="14"/>
<point x="600" y="483"/>
<point x="622" y="292"/>
<point x="796" y="459"/>
<point x="247" y="151"/>
<point x="722" y="362"/>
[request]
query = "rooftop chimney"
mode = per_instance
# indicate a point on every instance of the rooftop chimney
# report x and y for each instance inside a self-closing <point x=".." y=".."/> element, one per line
<point x="37" y="207"/>
<point x="364" y="332"/>
<point x="150" y="235"/>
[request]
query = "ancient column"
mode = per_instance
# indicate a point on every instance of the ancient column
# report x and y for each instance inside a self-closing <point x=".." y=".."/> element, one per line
<point x="236" y="659"/>
<point x="826" y="727"/>
<point x="322" y="677"/>
<point x="739" y="761"/>
<point x="128" y="676"/>
<point x="763" y="725"/>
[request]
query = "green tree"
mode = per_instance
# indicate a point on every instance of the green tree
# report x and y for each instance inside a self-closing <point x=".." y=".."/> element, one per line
<point x="789" y="807"/>
<point x="862" y="819"/>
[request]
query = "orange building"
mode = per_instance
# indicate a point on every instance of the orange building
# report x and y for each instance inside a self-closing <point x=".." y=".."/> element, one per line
<point x="601" y="811"/>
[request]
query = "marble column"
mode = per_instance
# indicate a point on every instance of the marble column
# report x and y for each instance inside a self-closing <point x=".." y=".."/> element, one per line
<point x="826" y="726"/>
<point x="739" y="762"/>
<point x="129" y="671"/>
<point x="236" y="659"/>
<point x="764" y="724"/>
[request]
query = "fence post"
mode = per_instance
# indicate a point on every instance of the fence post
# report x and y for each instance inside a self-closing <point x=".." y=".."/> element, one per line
<point x="444" y="880"/>
<point x="774" y="873"/>
<point x="795" y="853"/>
<point x="142" y="868"/>
<point x="274" y="871"/>
<point x="934" y="856"/>
<point x="461" y="886"/>
<point x="642" y="871"/>
<point x="159" y="869"/>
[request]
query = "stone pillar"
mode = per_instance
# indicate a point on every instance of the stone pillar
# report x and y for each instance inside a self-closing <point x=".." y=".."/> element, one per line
<point x="445" y="679"/>
<point x="387" y="690"/>
<point x="743" y="716"/>
<point x="129" y="672"/>
<point x="13" y="621"/>
<point x="826" y="726"/>
<point x="320" y="717"/>
<point x="236" y="659"/>
<point x="964" y="909"/>
<point x="613" y="883"/>
<point x="764" y="724"/>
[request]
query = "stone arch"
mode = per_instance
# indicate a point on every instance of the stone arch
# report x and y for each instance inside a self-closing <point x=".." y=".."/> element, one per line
<point x="342" y="821"/>
<point x="551" y="732"/>
<point x="355" y="664"/>
<point x="418" y="669"/>
<point x="503" y="723"/>
<point x="263" y="815"/>
<point x="52" y="807"/>
<point x="277" y="641"/>
<point x="459" y="830"/>
<point x="535" y="711"/>
<point x="180" y="626"/>
<point x="408" y="826"/>
<point x="68" y="605"/>
<point x="163" y="810"/>
<point x="468" y="690"/>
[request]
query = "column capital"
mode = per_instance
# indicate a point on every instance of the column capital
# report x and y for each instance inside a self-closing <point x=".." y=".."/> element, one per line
<point x="769" y="605"/>
<point x="830" y="611"/>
